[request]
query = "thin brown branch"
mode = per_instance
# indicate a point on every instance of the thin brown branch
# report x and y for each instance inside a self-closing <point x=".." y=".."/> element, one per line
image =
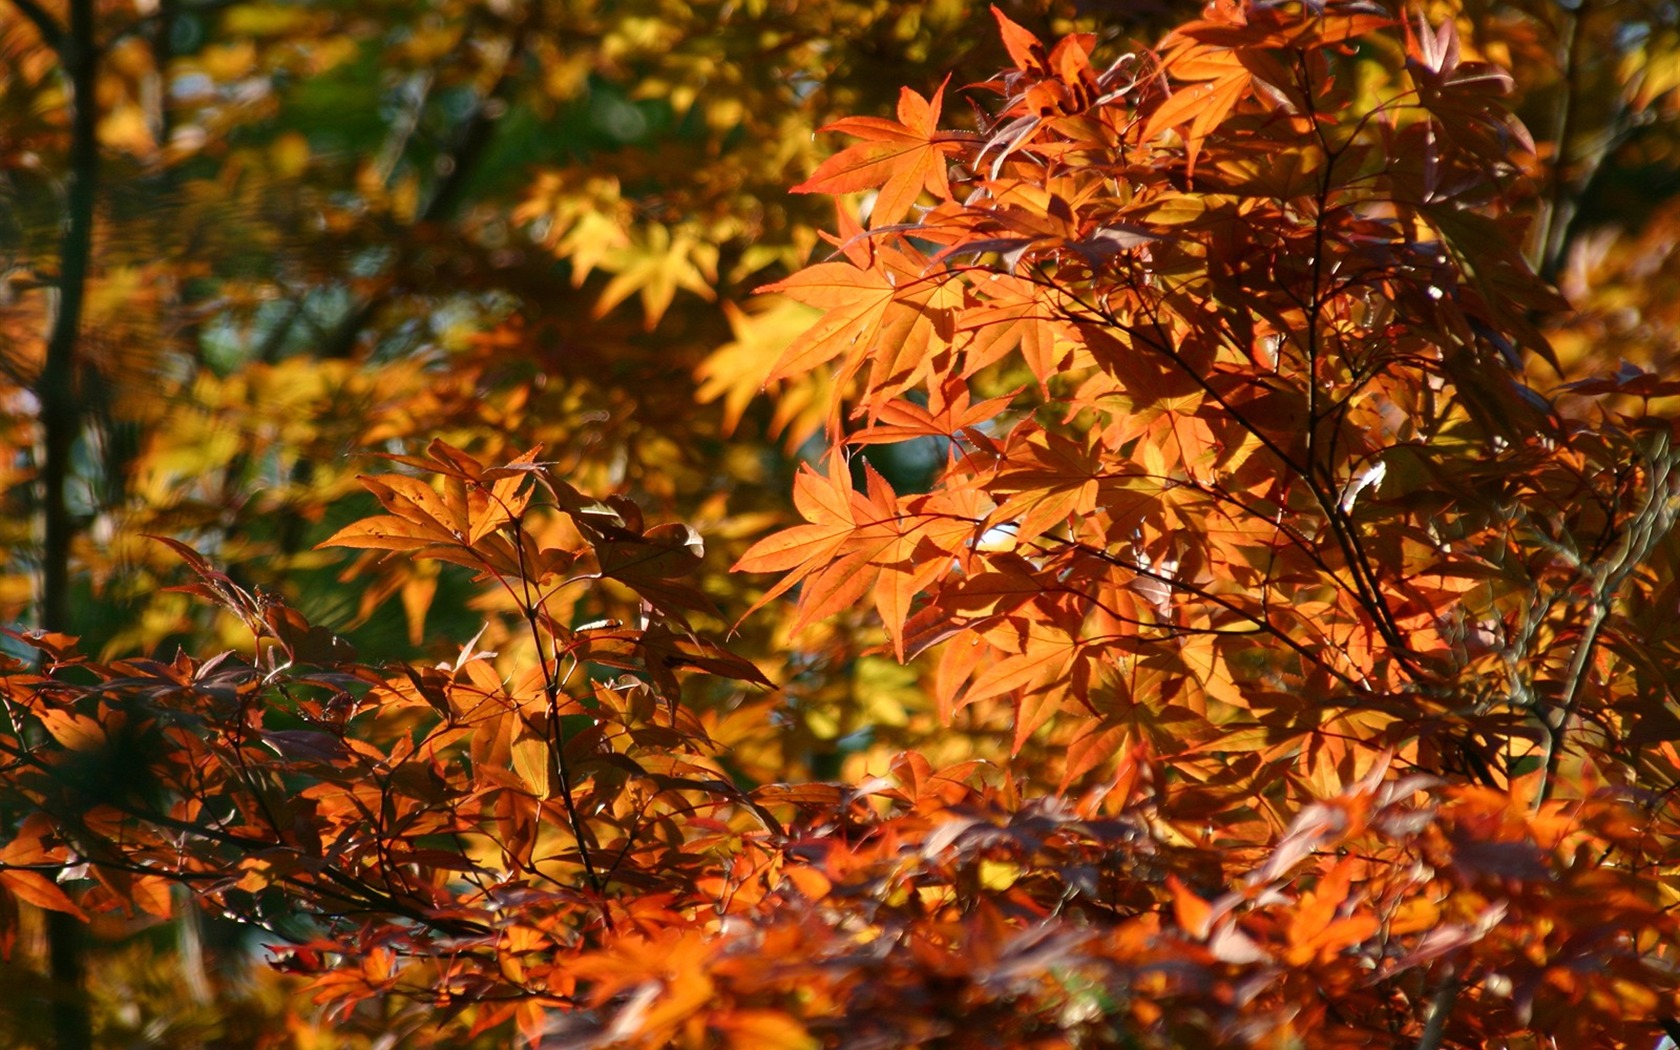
<point x="51" y="32"/>
<point x="1554" y="223"/>
<point x="1648" y="526"/>
<point x="1364" y="585"/>
<point x="1261" y="624"/>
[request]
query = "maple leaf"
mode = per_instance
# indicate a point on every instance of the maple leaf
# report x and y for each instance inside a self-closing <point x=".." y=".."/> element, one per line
<point x="854" y="543"/>
<point x="1216" y="80"/>
<point x="1317" y="931"/>
<point x="654" y="266"/>
<point x="947" y="413"/>
<point x="825" y="502"/>
<point x="886" y="311"/>
<point x="901" y="158"/>
<point x="856" y="299"/>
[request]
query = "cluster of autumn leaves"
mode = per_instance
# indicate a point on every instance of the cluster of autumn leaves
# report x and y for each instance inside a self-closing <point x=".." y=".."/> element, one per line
<point x="1304" y="665"/>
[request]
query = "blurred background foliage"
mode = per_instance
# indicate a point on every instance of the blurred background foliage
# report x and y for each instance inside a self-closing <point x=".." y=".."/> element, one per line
<point x="330" y="228"/>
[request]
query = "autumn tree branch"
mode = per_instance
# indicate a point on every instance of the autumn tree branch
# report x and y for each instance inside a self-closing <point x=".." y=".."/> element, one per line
<point x="530" y="607"/>
<point x="1364" y="586"/>
<point x="51" y="32"/>
<point x="1654" y="519"/>
<point x="1262" y="623"/>
<point x="1371" y="594"/>
<point x="1554" y="223"/>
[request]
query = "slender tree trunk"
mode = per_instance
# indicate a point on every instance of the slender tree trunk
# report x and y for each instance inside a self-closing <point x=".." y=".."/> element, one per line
<point x="60" y="423"/>
<point x="56" y="386"/>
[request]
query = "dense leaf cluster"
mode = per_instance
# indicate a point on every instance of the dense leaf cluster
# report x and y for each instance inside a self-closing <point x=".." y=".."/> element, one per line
<point x="1227" y="597"/>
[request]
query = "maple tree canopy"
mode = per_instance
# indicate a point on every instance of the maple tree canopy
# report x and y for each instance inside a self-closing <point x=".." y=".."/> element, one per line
<point x="1165" y="537"/>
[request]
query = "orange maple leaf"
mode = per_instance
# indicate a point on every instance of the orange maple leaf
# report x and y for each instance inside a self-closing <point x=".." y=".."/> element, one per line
<point x="900" y="158"/>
